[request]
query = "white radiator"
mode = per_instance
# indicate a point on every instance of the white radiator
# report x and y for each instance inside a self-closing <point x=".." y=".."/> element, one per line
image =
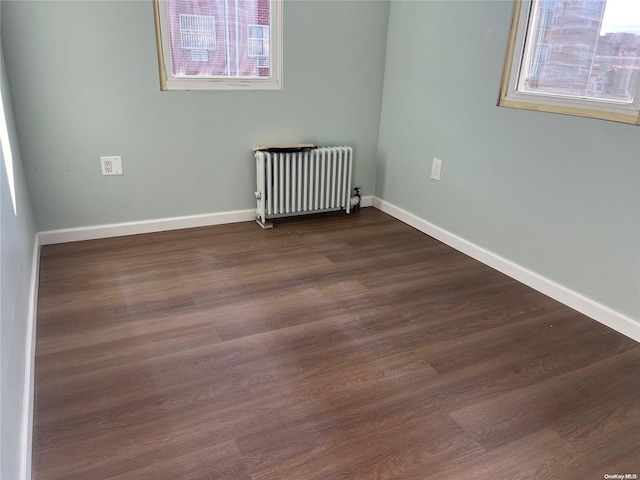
<point x="300" y="182"/>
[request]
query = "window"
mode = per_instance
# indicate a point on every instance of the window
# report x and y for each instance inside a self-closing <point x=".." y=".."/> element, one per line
<point x="219" y="44"/>
<point x="197" y="32"/>
<point x="258" y="40"/>
<point x="577" y="57"/>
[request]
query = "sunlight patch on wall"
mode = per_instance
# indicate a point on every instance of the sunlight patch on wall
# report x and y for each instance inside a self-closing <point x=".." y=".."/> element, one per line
<point x="7" y="156"/>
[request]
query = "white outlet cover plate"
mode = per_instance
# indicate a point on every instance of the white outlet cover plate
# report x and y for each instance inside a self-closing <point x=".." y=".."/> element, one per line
<point x="116" y="165"/>
<point x="436" y="168"/>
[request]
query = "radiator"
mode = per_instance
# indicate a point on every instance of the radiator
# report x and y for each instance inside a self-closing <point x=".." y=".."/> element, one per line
<point x="301" y="182"/>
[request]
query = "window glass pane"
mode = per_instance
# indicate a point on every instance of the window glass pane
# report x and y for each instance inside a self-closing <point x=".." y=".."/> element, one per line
<point x="218" y="38"/>
<point x="583" y="48"/>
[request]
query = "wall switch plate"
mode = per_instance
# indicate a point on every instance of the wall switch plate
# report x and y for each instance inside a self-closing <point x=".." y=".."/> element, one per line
<point x="111" y="165"/>
<point x="436" y="169"/>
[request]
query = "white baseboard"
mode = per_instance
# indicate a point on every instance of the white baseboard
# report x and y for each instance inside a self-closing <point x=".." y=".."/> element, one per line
<point x="50" y="237"/>
<point x="597" y="311"/>
<point x="146" y="226"/>
<point x="603" y="314"/>
<point x="28" y="394"/>
<point x="366" y="201"/>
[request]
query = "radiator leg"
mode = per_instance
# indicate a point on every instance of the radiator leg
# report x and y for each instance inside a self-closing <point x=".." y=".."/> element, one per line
<point x="265" y="225"/>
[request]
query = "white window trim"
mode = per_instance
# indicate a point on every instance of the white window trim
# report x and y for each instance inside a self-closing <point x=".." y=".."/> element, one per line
<point x="169" y="82"/>
<point x="583" y="107"/>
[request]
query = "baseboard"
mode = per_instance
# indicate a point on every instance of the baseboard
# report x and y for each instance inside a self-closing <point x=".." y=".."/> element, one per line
<point x="28" y="395"/>
<point x="366" y="201"/>
<point x="146" y="226"/>
<point x="595" y="310"/>
<point x="599" y="312"/>
<point x="50" y="237"/>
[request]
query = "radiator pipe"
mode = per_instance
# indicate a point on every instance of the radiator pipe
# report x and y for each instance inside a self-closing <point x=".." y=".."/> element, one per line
<point x="355" y="200"/>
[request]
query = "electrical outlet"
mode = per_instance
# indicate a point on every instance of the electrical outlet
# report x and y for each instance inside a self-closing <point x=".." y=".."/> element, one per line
<point x="111" y="165"/>
<point x="436" y="169"/>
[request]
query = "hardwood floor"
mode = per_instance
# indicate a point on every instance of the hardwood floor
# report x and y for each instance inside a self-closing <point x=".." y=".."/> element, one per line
<point x="349" y="347"/>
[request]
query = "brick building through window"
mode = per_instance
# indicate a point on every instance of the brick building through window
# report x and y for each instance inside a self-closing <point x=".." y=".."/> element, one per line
<point x="219" y="38"/>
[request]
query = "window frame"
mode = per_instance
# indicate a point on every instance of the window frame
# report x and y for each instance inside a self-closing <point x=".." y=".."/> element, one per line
<point x="168" y="82"/>
<point x="511" y="97"/>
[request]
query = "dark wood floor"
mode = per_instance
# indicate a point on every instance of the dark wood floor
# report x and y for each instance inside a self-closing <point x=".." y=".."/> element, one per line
<point x="349" y="347"/>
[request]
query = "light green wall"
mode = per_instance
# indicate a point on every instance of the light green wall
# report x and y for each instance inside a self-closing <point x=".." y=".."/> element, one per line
<point x="17" y="239"/>
<point x="556" y="194"/>
<point x="84" y="79"/>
